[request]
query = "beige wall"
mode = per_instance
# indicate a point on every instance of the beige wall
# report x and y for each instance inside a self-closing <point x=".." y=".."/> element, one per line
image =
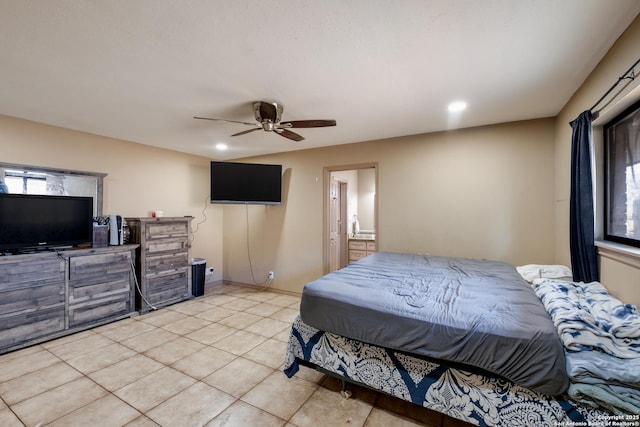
<point x="621" y="280"/>
<point x="140" y="178"/>
<point x="485" y="192"/>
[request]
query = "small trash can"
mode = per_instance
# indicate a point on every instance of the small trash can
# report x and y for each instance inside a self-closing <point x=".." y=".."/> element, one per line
<point x="198" y="271"/>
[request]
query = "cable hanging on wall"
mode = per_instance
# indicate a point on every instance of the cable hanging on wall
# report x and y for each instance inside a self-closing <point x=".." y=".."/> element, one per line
<point x="629" y="75"/>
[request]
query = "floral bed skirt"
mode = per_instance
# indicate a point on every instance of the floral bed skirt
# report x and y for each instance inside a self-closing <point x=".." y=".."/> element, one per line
<point x="472" y="397"/>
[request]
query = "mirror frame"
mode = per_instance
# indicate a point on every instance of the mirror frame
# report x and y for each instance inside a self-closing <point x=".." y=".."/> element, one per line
<point x="43" y="169"/>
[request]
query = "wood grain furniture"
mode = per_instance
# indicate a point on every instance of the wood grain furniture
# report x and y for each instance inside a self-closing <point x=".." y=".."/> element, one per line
<point x="100" y="286"/>
<point x="162" y="267"/>
<point x="360" y="248"/>
<point x="50" y="294"/>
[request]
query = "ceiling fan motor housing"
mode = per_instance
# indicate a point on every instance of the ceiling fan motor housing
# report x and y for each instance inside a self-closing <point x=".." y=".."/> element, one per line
<point x="268" y="125"/>
<point x="267" y="114"/>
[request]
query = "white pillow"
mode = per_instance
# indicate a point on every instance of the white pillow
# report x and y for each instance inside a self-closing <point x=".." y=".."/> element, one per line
<point x="535" y="271"/>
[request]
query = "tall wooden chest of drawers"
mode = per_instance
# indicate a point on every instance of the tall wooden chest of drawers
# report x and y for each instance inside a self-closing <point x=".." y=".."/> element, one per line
<point x="162" y="267"/>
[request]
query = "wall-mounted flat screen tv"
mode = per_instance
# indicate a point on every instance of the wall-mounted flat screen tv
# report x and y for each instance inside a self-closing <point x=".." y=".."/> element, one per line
<point x="42" y="222"/>
<point x="246" y="183"/>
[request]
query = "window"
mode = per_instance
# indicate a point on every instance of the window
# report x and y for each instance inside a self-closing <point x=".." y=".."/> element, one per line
<point x="24" y="182"/>
<point x="622" y="177"/>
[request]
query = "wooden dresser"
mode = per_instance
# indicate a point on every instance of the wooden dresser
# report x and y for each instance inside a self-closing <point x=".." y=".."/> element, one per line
<point x="162" y="267"/>
<point x="360" y="248"/>
<point x="50" y="294"/>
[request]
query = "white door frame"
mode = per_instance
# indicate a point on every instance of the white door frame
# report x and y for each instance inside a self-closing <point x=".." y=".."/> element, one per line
<point x="326" y="205"/>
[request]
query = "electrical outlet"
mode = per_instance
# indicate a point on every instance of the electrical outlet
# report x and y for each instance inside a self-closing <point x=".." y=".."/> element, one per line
<point x="209" y="271"/>
<point x="271" y="275"/>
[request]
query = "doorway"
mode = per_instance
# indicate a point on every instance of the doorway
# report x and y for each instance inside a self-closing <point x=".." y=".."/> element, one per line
<point x="337" y="223"/>
<point x="349" y="197"/>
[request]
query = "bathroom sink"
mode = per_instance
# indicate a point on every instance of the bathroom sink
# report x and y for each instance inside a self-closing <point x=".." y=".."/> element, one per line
<point x="364" y="236"/>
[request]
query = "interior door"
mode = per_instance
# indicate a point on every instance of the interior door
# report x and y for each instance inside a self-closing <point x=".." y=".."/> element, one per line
<point x="342" y="226"/>
<point x="337" y="228"/>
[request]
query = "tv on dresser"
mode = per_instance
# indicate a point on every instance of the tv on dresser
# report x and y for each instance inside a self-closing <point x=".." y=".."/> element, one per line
<point x="36" y="222"/>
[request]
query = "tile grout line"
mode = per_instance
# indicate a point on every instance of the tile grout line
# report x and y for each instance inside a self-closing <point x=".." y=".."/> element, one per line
<point x="193" y="313"/>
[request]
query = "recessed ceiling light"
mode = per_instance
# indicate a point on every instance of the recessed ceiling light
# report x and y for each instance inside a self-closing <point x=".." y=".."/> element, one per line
<point x="457" y="106"/>
<point x="221" y="146"/>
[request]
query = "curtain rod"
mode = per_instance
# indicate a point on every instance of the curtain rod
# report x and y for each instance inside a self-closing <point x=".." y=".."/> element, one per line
<point x="629" y="74"/>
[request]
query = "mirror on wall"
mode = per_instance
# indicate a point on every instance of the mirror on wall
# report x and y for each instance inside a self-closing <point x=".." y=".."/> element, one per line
<point x="26" y="179"/>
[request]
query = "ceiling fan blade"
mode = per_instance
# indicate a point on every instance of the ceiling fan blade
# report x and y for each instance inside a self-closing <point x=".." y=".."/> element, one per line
<point x="246" y="131"/>
<point x="224" y="120"/>
<point x="288" y="134"/>
<point x="308" y="123"/>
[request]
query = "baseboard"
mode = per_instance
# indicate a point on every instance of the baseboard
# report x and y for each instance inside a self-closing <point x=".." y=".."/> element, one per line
<point x="258" y="287"/>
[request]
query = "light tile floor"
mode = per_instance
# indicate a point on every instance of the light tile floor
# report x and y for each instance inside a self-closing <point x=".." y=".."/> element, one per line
<point x="215" y="360"/>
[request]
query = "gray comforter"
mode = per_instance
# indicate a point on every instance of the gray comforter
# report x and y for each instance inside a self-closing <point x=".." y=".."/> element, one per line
<point x="476" y="312"/>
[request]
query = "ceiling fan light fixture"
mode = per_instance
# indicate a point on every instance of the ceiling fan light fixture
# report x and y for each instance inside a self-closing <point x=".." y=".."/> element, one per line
<point x="221" y="146"/>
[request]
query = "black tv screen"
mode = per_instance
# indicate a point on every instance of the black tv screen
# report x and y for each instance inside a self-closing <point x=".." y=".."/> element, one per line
<point x="40" y="222"/>
<point x="246" y="183"/>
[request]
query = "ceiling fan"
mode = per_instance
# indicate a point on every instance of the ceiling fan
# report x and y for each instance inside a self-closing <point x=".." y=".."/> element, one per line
<point x="268" y="116"/>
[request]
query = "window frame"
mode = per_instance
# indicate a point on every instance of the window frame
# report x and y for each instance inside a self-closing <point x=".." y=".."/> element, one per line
<point x="632" y="109"/>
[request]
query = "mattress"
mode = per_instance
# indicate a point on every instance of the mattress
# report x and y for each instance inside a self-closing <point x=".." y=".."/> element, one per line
<point x="475" y="312"/>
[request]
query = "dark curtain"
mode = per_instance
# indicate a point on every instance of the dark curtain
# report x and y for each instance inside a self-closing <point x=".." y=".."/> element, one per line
<point x="584" y="262"/>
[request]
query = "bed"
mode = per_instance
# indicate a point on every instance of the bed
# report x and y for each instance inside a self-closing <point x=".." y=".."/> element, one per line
<point x="469" y="338"/>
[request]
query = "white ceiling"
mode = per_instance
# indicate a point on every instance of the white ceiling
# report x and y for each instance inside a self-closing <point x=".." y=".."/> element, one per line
<point x="139" y="70"/>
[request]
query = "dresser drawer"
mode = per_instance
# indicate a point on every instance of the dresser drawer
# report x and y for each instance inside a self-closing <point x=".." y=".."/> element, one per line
<point x="31" y="286"/>
<point x="18" y="328"/>
<point x="110" y="286"/>
<point x="26" y="298"/>
<point x="371" y="246"/>
<point x="88" y="266"/>
<point x="172" y="261"/>
<point x="39" y="271"/>
<point x="355" y="255"/>
<point x="167" y="285"/>
<point x="156" y="246"/>
<point x="358" y="244"/>
<point x="155" y="230"/>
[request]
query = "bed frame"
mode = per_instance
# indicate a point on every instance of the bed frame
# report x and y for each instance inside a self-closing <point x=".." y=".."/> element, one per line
<point x="460" y="392"/>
